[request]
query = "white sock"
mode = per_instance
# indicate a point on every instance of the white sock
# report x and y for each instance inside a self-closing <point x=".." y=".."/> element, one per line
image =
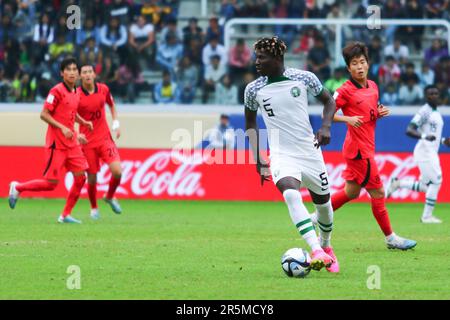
<point x="300" y="217"/>
<point x="325" y="222"/>
<point x="431" y="197"/>
<point x="391" y="236"/>
<point x="414" y="185"/>
<point x="313" y="217"/>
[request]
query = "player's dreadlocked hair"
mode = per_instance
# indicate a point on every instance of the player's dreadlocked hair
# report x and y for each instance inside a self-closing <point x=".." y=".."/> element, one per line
<point x="274" y="46"/>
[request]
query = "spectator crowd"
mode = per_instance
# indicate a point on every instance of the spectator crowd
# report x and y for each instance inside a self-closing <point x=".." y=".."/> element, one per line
<point x="125" y="40"/>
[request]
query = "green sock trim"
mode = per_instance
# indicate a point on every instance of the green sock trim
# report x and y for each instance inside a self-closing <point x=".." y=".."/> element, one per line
<point x="306" y="230"/>
<point x="325" y="230"/>
<point x="301" y="223"/>
<point x="325" y="225"/>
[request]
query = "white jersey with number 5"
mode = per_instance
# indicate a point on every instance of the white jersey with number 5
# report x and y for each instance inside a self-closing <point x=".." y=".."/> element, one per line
<point x="284" y="107"/>
<point x="430" y="122"/>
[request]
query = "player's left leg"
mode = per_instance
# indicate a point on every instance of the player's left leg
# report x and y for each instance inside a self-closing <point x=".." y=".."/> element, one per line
<point x="354" y="175"/>
<point x="394" y="184"/>
<point x="374" y="187"/>
<point x="381" y="214"/>
<point x="379" y="210"/>
<point x="351" y="191"/>
<point x="315" y="178"/>
<point x="55" y="162"/>
<point x="116" y="172"/>
<point x="430" y="183"/>
<point x="77" y="164"/>
<point x="431" y="197"/>
<point x="289" y="187"/>
<point x="92" y="193"/>
<point x="93" y="160"/>
<point x="79" y="178"/>
<point x="430" y="189"/>
<point x="431" y="175"/>
<point x="110" y="155"/>
<point x="324" y="214"/>
<point x="15" y="188"/>
<point x="287" y="176"/>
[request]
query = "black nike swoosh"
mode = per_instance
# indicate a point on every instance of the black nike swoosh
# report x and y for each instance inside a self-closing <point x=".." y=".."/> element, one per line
<point x="265" y="100"/>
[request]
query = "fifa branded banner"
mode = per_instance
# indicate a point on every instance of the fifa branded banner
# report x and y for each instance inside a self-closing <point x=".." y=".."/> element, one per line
<point x="199" y="175"/>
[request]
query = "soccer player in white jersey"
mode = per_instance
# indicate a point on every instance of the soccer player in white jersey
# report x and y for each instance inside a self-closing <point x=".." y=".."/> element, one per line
<point x="295" y="156"/>
<point x="426" y="126"/>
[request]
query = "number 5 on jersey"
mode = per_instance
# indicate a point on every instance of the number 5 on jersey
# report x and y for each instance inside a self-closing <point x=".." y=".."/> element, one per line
<point x="267" y="108"/>
<point x="323" y="177"/>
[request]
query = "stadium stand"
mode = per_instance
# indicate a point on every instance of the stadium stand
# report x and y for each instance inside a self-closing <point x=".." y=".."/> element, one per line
<point x="131" y="43"/>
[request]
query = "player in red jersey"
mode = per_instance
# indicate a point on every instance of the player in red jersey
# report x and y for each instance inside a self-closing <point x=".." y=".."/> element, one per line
<point x="358" y="100"/>
<point x="99" y="144"/>
<point x="62" y="143"/>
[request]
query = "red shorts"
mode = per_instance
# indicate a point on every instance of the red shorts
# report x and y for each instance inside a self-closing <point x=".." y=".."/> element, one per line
<point x="72" y="160"/>
<point x="107" y="152"/>
<point x="364" y="172"/>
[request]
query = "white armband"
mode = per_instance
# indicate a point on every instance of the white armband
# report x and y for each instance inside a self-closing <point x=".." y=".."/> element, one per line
<point x="423" y="136"/>
<point x="115" y="125"/>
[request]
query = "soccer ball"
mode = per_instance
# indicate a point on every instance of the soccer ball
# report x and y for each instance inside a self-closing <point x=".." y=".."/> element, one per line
<point x="296" y="263"/>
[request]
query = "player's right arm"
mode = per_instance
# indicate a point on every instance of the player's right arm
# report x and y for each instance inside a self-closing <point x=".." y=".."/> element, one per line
<point x="47" y="117"/>
<point x="354" y="121"/>
<point x="329" y="109"/>
<point x="413" y="132"/>
<point x="46" y="114"/>
<point x="79" y="119"/>
<point x="252" y="131"/>
<point x="340" y="98"/>
<point x="413" y="128"/>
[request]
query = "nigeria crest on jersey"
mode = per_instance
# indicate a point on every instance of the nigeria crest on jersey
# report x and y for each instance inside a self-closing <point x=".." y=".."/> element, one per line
<point x="295" y="92"/>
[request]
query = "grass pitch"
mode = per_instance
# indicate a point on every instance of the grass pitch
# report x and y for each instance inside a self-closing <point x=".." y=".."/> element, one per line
<point x="211" y="250"/>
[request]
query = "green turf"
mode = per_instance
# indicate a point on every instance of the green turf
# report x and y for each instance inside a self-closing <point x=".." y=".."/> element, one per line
<point x="211" y="250"/>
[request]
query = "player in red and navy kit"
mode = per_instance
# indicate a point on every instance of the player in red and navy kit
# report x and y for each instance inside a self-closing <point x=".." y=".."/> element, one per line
<point x="358" y="100"/>
<point x="99" y="144"/>
<point x="62" y="145"/>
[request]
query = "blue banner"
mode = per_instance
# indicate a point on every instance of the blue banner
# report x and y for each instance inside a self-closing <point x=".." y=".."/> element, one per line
<point x="390" y="133"/>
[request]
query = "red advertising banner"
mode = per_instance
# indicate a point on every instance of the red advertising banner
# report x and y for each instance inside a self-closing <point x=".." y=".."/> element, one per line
<point x="164" y="174"/>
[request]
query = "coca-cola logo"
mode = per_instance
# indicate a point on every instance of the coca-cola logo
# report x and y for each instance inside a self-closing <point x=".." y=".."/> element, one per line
<point x="171" y="174"/>
<point x="389" y="165"/>
<point x="163" y="173"/>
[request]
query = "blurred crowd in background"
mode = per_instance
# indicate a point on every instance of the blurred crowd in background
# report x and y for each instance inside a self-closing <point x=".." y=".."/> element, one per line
<point x="142" y="46"/>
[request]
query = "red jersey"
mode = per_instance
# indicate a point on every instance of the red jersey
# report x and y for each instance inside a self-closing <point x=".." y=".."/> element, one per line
<point x="92" y="108"/>
<point x="354" y="100"/>
<point x="62" y="104"/>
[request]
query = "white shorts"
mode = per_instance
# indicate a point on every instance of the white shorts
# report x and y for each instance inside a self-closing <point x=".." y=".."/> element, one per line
<point x="311" y="172"/>
<point x="430" y="170"/>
